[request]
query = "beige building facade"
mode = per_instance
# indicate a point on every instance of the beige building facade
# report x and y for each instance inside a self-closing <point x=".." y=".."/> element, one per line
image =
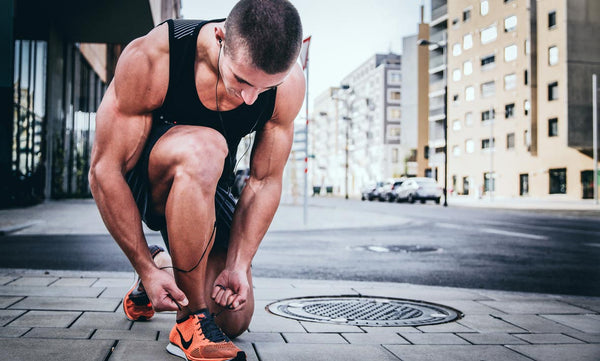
<point x="518" y="113"/>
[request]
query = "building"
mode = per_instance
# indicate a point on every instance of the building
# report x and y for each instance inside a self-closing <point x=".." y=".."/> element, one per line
<point x="56" y="64"/>
<point x="519" y="97"/>
<point x="357" y="129"/>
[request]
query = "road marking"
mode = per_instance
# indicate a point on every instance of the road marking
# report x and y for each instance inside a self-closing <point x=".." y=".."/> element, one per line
<point x="512" y="234"/>
<point x="449" y="225"/>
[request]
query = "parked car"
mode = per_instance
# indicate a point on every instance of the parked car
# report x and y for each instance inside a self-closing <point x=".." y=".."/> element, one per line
<point x="372" y="191"/>
<point x="388" y="193"/>
<point x="419" y="189"/>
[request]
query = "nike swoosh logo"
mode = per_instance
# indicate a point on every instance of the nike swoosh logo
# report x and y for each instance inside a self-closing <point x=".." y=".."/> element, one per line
<point x="184" y="343"/>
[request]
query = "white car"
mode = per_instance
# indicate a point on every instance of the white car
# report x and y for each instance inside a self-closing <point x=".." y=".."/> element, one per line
<point x="419" y="189"/>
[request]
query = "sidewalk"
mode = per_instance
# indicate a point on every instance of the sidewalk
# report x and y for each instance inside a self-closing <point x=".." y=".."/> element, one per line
<point x="76" y="315"/>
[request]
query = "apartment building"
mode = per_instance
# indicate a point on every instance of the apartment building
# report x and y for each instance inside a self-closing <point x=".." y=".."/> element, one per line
<point x="359" y="126"/>
<point x="519" y="97"/>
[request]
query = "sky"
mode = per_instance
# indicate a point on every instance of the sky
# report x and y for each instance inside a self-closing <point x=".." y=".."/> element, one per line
<point x="345" y="33"/>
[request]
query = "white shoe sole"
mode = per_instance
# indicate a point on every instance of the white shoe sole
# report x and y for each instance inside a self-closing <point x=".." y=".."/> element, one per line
<point x="176" y="351"/>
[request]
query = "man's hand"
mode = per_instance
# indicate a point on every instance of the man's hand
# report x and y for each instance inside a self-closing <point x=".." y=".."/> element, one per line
<point x="230" y="289"/>
<point x="163" y="291"/>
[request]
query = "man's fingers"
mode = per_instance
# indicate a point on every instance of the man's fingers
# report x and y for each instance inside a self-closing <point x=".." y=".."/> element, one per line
<point x="178" y="296"/>
<point x="223" y="297"/>
<point x="218" y="288"/>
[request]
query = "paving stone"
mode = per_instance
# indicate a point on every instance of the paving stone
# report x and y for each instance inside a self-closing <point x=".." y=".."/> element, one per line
<point x="446" y="327"/>
<point x="6" y="279"/>
<point x="155" y="351"/>
<point x="559" y="352"/>
<point x="547" y="338"/>
<point x="103" y="321"/>
<point x="487" y="323"/>
<point x="534" y="307"/>
<point x="272" y="323"/>
<point x="536" y="324"/>
<point x="13" y="331"/>
<point x="589" y="303"/>
<point x="159" y="322"/>
<point x="436" y="295"/>
<point x="113" y="292"/>
<point x="59" y="333"/>
<point x="390" y="330"/>
<point x="248" y="348"/>
<point x="33" y="281"/>
<point x="74" y="282"/>
<point x="7" y="316"/>
<point x="434" y="339"/>
<point x="22" y="349"/>
<point x="303" y="352"/>
<point x="584" y="323"/>
<point x="374" y="339"/>
<point x="46" y="319"/>
<point x="313" y="338"/>
<point x="252" y="337"/>
<point x="146" y="335"/>
<point x="469" y="307"/>
<point x="114" y="282"/>
<point x="272" y="294"/>
<point x="50" y="291"/>
<point x="491" y="338"/>
<point x="586" y="337"/>
<point x="68" y="303"/>
<point x="455" y="353"/>
<point x="6" y="301"/>
<point x="329" y="328"/>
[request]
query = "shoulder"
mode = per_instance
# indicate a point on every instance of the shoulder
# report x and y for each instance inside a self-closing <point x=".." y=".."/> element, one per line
<point x="142" y="73"/>
<point x="290" y="96"/>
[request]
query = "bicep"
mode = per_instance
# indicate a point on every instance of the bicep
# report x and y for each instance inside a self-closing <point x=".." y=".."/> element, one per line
<point x="271" y="151"/>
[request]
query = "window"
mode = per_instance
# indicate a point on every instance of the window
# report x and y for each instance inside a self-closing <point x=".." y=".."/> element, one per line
<point x="456" y="74"/>
<point x="509" y="111"/>
<point x="394" y="77"/>
<point x="456" y="150"/>
<point x="469" y="146"/>
<point x="488" y="89"/>
<point x="394" y="155"/>
<point x="510" y="141"/>
<point x="510" y="23"/>
<point x="394" y="96"/>
<point x="489" y="182"/>
<point x="488" y="115"/>
<point x="552" y="20"/>
<point x="393" y="113"/>
<point x="484" y="7"/>
<point x="552" y="55"/>
<point x="527" y="140"/>
<point x="527" y="47"/>
<point x="489" y="34"/>
<point x="456" y="124"/>
<point x="488" y="143"/>
<point x="553" y="91"/>
<point x="526" y="106"/>
<point x="526" y="77"/>
<point x="467" y="41"/>
<point x="455" y="98"/>
<point x="469" y="93"/>
<point x="510" y="81"/>
<point x="394" y="132"/>
<point x="468" y="119"/>
<point x="468" y="67"/>
<point x="456" y="50"/>
<point x="455" y="22"/>
<point x="523" y="184"/>
<point x="466" y="15"/>
<point x="488" y="61"/>
<point x="553" y="127"/>
<point x="558" y="181"/>
<point x="510" y="53"/>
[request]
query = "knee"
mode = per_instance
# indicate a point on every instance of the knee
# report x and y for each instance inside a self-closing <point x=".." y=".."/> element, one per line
<point x="200" y="157"/>
<point x="234" y="330"/>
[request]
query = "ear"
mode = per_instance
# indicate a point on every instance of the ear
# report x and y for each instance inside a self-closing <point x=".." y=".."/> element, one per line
<point x="219" y="34"/>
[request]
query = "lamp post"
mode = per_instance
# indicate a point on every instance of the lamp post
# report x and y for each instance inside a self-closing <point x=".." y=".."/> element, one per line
<point x="442" y="45"/>
<point x="347" y="119"/>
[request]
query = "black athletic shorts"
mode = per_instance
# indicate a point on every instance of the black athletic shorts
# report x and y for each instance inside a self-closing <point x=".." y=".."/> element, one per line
<point x="138" y="182"/>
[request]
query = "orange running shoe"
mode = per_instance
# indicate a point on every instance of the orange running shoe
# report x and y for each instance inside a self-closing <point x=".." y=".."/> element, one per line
<point x="198" y="338"/>
<point x="136" y="303"/>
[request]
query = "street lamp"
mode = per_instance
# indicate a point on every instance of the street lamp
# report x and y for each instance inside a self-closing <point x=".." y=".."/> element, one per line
<point x="442" y="45"/>
<point x="347" y="119"/>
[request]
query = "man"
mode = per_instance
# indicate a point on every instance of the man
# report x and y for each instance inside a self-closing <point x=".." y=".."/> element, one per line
<point x="167" y="132"/>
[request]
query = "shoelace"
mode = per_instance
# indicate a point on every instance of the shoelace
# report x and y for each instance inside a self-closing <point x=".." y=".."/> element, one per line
<point x="210" y="329"/>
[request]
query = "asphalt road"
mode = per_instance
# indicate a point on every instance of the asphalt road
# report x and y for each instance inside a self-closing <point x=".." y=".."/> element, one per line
<point x="531" y="251"/>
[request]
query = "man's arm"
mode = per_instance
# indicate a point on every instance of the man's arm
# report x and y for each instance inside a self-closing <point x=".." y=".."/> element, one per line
<point x="260" y="198"/>
<point x="123" y="122"/>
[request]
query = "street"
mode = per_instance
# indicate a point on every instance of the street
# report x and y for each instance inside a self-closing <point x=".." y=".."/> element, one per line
<point x="515" y="250"/>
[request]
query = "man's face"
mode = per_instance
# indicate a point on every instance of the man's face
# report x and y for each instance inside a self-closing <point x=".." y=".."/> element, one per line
<point x="243" y="80"/>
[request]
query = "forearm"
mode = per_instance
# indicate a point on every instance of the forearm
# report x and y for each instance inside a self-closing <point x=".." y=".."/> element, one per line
<point x="121" y="217"/>
<point x="253" y="216"/>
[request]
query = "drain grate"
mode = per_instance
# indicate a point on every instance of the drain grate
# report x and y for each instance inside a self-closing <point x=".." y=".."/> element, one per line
<point x="364" y="311"/>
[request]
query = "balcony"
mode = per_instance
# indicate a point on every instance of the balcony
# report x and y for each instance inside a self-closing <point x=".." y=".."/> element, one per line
<point x="439" y="12"/>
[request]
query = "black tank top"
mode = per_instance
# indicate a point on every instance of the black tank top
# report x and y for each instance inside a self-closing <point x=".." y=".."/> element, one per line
<point x="182" y="105"/>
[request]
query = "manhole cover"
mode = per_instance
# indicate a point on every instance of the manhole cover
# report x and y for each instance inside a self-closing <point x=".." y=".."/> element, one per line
<point x="364" y="311"/>
<point x="397" y="248"/>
